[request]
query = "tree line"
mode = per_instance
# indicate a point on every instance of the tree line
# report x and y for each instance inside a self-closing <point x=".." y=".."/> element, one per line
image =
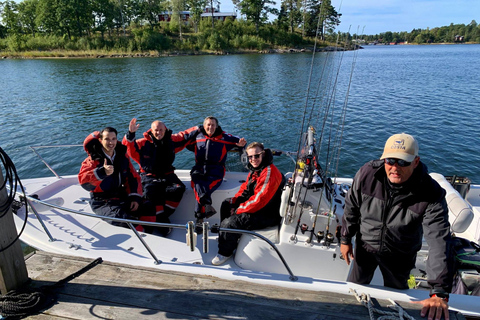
<point x="130" y="26"/>
<point x="447" y="34"/>
<point x="134" y="26"/>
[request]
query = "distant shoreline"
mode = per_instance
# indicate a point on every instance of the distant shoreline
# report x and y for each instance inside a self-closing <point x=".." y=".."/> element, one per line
<point x="64" y="54"/>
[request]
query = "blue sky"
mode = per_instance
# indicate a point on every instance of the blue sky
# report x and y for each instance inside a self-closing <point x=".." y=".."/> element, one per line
<point x="376" y="16"/>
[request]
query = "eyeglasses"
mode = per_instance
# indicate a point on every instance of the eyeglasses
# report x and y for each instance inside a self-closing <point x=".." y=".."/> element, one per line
<point x="254" y="156"/>
<point x="400" y="162"/>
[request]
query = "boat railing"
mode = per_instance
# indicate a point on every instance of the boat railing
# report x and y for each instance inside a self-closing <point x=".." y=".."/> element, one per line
<point x="237" y="163"/>
<point x="130" y="223"/>
<point x="34" y="149"/>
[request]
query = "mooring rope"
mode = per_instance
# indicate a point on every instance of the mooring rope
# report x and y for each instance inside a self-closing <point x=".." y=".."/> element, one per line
<point x="13" y="181"/>
<point x="365" y="300"/>
<point x="27" y="301"/>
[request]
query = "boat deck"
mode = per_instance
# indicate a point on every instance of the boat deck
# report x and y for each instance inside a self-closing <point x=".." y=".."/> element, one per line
<point x="116" y="291"/>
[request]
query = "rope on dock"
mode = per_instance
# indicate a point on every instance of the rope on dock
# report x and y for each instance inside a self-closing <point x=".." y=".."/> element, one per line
<point x="365" y="300"/>
<point x="17" y="304"/>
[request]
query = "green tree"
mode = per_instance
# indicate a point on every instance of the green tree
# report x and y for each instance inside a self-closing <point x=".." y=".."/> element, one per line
<point x="103" y="11"/>
<point x="65" y="17"/>
<point x="329" y="18"/>
<point x="256" y="10"/>
<point x="10" y="17"/>
<point x="196" y="8"/>
<point x="387" y="37"/>
<point x="291" y="9"/>
<point x="27" y="13"/>
<point x="149" y="10"/>
<point x="177" y="7"/>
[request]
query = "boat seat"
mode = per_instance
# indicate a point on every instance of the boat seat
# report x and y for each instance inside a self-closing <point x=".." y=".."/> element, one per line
<point x="271" y="233"/>
<point x="251" y="249"/>
<point x="460" y="213"/>
<point x="248" y="244"/>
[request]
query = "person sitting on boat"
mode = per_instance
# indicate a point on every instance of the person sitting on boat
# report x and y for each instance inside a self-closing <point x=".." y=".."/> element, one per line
<point x="392" y="203"/>
<point x="256" y="205"/>
<point x="155" y="154"/>
<point x="210" y="144"/>
<point x="112" y="181"/>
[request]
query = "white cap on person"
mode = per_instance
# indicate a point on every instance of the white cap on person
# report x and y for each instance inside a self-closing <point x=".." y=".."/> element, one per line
<point x="401" y="146"/>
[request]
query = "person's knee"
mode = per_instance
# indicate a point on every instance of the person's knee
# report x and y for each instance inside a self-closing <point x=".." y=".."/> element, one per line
<point x="229" y="222"/>
<point x="176" y="188"/>
<point x="225" y="206"/>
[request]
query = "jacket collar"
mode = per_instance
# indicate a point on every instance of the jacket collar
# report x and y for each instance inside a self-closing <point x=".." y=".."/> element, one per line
<point x="218" y="131"/>
<point x="149" y="136"/>
<point x="266" y="161"/>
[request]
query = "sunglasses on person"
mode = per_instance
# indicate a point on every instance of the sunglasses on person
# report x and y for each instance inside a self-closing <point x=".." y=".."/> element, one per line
<point x="254" y="156"/>
<point x="400" y="162"/>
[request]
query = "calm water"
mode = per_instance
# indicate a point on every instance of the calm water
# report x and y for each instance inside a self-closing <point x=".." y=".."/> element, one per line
<point x="431" y="92"/>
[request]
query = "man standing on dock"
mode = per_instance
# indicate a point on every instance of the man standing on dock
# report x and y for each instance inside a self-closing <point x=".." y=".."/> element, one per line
<point x="392" y="204"/>
<point x="155" y="154"/>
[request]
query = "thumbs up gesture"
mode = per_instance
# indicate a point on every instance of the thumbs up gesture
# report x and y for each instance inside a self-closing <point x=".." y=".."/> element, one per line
<point x="108" y="168"/>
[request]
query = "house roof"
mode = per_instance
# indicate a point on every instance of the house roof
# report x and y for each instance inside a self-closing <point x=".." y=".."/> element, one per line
<point x="219" y="14"/>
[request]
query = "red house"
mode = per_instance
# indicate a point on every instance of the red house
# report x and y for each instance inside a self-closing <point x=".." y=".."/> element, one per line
<point x="185" y="15"/>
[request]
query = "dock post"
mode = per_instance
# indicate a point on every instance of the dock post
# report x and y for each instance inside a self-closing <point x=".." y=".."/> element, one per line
<point x="13" y="271"/>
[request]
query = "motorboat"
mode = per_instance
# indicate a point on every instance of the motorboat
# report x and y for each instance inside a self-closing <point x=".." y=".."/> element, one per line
<point x="303" y="252"/>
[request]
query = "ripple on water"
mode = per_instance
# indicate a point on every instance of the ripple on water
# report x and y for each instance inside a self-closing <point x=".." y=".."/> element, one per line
<point x="422" y="90"/>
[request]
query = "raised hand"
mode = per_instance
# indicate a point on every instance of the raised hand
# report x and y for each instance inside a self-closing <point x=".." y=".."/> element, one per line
<point x="133" y="126"/>
<point x="242" y="142"/>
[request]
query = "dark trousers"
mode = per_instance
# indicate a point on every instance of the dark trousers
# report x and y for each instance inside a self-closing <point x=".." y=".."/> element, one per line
<point x="165" y="194"/>
<point x="227" y="242"/>
<point x="203" y="187"/>
<point x="395" y="268"/>
<point x="120" y="208"/>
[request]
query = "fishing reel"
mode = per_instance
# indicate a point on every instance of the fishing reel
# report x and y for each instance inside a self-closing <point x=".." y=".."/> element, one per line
<point x="320" y="235"/>
<point x="343" y="188"/>
<point x="315" y="182"/>
<point x="328" y="239"/>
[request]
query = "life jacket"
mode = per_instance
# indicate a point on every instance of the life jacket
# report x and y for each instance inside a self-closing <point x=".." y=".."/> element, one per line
<point x="92" y="145"/>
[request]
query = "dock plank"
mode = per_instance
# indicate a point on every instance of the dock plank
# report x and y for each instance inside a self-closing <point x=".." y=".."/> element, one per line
<point x="115" y="291"/>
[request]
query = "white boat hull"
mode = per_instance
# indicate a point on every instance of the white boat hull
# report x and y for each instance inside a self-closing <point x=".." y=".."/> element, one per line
<point x="316" y="266"/>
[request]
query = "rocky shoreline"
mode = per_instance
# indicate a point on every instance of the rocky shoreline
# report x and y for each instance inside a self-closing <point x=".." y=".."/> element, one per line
<point x="59" y="54"/>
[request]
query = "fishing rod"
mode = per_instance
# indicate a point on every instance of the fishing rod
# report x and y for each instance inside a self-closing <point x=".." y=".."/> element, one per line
<point x="311" y="143"/>
<point x="310" y="155"/>
<point x="288" y="208"/>
<point x="329" y="236"/>
<point x="339" y="140"/>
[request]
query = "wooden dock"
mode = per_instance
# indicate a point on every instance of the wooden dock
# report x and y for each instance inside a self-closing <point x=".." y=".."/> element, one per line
<point x="113" y="291"/>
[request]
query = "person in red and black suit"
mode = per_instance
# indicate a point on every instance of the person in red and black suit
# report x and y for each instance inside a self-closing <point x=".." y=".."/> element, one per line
<point x="256" y="205"/>
<point x="155" y="154"/>
<point x="112" y="181"/>
<point x="210" y="144"/>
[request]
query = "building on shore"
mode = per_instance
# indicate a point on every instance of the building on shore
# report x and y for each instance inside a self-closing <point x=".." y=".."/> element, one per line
<point x="185" y="15"/>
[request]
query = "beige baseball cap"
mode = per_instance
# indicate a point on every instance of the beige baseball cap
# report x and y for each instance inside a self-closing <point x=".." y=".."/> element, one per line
<point x="401" y="146"/>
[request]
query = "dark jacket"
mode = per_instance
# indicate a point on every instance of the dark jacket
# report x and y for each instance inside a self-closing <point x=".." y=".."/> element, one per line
<point x="262" y="190"/>
<point x="210" y="152"/>
<point x="393" y="220"/>
<point x="155" y="157"/>
<point x="123" y="182"/>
